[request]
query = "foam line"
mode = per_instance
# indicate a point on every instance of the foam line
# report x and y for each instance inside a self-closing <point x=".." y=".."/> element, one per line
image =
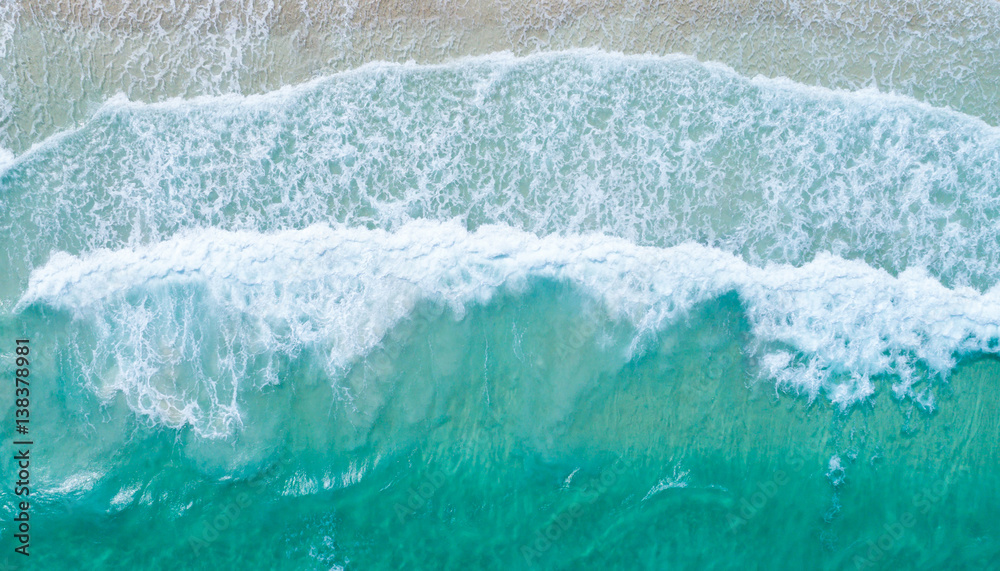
<point x="841" y="322"/>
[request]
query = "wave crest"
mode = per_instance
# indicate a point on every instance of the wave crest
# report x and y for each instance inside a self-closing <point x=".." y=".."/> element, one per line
<point x="182" y="326"/>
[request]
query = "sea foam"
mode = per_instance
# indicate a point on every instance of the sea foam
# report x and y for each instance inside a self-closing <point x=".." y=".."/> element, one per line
<point x="178" y="326"/>
<point x="655" y="150"/>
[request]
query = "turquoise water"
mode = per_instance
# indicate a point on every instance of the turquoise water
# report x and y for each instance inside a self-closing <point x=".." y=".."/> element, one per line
<point x="463" y="453"/>
<point x="572" y="310"/>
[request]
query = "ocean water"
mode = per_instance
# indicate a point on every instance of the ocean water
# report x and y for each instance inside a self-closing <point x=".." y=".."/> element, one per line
<point x="568" y="286"/>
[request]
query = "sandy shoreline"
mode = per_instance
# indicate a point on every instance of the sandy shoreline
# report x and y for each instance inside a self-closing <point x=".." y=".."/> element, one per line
<point x="62" y="59"/>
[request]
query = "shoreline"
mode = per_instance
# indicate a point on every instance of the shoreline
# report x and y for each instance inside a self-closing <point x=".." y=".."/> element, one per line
<point x="67" y="59"/>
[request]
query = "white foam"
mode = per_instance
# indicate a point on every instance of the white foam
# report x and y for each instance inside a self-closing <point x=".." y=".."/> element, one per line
<point x="6" y="158"/>
<point x="77" y="483"/>
<point x="679" y="479"/>
<point x="657" y="150"/>
<point x="842" y="323"/>
<point x="232" y="103"/>
<point x="124" y="497"/>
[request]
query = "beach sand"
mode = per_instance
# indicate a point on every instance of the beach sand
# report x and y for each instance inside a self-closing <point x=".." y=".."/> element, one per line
<point x="62" y="60"/>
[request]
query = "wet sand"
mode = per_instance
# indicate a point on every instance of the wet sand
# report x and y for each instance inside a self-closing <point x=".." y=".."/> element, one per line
<point x="64" y="59"/>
